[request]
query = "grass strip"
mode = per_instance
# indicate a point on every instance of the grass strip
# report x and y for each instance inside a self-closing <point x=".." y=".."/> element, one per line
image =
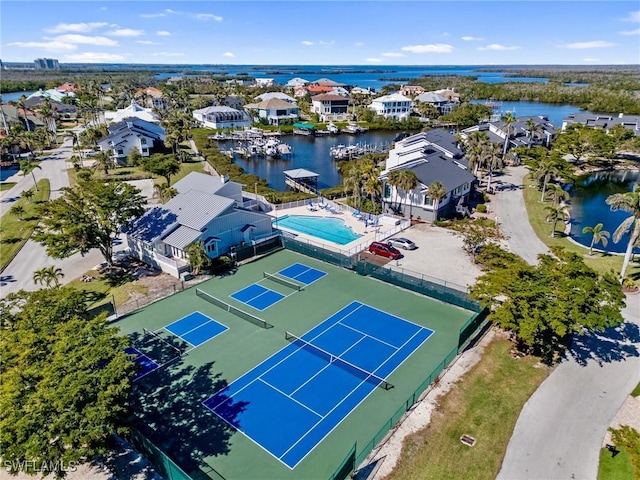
<point x="485" y="404"/>
<point x="16" y="230"/>
<point x="615" y="468"/>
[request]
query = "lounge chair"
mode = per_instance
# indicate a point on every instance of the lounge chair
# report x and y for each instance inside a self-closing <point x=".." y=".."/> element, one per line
<point x="322" y="204"/>
<point x="311" y="207"/>
<point x="357" y="215"/>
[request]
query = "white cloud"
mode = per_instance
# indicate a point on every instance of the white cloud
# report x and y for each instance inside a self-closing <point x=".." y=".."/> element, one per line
<point x="630" y="32"/>
<point x="163" y="33"/>
<point x="431" y="48"/>
<point x="497" y="47"/>
<point x="392" y="54"/>
<point x="93" y="57"/>
<point x="52" y="46"/>
<point x="167" y="54"/>
<point x="633" y="17"/>
<point x="372" y="59"/>
<point x="86" y="40"/>
<point x="126" y="32"/>
<point x="172" y="12"/>
<point x="358" y="44"/>
<point x="589" y="59"/>
<point x="208" y="16"/>
<point x="322" y="42"/>
<point x="584" y="45"/>
<point x="152" y="15"/>
<point x="307" y="42"/>
<point x="76" y="27"/>
<point x="228" y="54"/>
<point x="103" y="9"/>
<point x="147" y="42"/>
<point x="469" y="38"/>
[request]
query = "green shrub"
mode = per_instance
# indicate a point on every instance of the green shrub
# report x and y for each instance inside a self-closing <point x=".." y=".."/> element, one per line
<point x="482" y="208"/>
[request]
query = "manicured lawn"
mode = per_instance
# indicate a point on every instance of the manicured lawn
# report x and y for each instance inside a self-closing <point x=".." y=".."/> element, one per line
<point x="601" y="262"/>
<point x="6" y="186"/>
<point x="636" y="391"/>
<point x="485" y="404"/>
<point x="15" y="232"/>
<point x="615" y="468"/>
<point x="103" y="289"/>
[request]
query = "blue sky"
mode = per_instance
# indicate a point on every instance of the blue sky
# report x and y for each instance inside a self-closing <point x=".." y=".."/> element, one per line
<point x="323" y="32"/>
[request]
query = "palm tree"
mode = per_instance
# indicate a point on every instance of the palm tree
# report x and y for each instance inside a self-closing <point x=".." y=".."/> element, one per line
<point x="599" y="236"/>
<point x="533" y="130"/>
<point x="629" y="202"/>
<point x="494" y="161"/>
<point x="183" y="156"/>
<point x="437" y="192"/>
<point x="27" y="167"/>
<point x="28" y="194"/>
<point x="104" y="161"/>
<point x="165" y="192"/>
<point x="555" y="213"/>
<point x="394" y="179"/>
<point x="475" y="146"/>
<point x="508" y="120"/>
<point x="353" y="181"/>
<point x="556" y="193"/>
<point x="547" y="170"/>
<point x="75" y="143"/>
<point x="18" y="211"/>
<point x="408" y="181"/>
<point x="48" y="275"/>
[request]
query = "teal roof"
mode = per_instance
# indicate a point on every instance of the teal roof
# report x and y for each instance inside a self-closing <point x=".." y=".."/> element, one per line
<point x="305" y="125"/>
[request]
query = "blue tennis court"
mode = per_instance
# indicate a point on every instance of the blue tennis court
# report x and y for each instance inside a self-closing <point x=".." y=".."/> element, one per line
<point x="301" y="273"/>
<point x="196" y="328"/>
<point x="257" y="296"/>
<point x="146" y="365"/>
<point x="296" y="397"/>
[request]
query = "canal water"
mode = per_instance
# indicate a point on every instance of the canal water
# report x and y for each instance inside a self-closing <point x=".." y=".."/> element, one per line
<point x="589" y="207"/>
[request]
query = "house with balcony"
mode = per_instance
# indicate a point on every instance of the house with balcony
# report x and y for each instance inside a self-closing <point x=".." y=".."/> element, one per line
<point x="221" y="116"/>
<point x="207" y="208"/>
<point x="606" y="122"/>
<point x="392" y="106"/>
<point x="411" y="90"/>
<point x="274" y="111"/>
<point x="151" y="97"/>
<point x="443" y="104"/>
<point x="330" y="107"/>
<point x="278" y="95"/>
<point x="523" y="132"/>
<point x="432" y="156"/>
<point x="132" y="133"/>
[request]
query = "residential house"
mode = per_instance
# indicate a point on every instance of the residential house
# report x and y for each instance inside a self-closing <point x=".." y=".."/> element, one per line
<point x="432" y="156"/>
<point x="223" y="117"/>
<point x="151" y="97"/>
<point x="362" y="91"/>
<point x="632" y="122"/>
<point x="325" y="82"/>
<point x="10" y="115"/>
<point x="229" y="101"/>
<point x="297" y="82"/>
<point x="278" y="95"/>
<point x="392" y="106"/>
<point x="411" y="90"/>
<point x="274" y="111"/>
<point x="132" y="111"/>
<point x="523" y="133"/>
<point x="449" y="93"/>
<point x="131" y="133"/>
<point x="330" y="107"/>
<point x="53" y="94"/>
<point x="443" y="104"/>
<point x="208" y="209"/>
<point x="264" y="82"/>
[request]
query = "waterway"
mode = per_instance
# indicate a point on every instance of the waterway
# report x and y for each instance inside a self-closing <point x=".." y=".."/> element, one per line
<point x="13" y="96"/>
<point x="311" y="153"/>
<point x="589" y="207"/>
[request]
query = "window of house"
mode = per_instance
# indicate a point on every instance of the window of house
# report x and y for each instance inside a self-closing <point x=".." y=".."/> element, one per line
<point x="428" y="202"/>
<point x="120" y="151"/>
<point x="143" y="141"/>
<point x="387" y="190"/>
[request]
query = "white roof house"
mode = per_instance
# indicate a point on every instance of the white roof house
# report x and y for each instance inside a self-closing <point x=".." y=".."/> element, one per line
<point x="222" y="116"/>
<point x="275" y="111"/>
<point x="278" y="95"/>
<point x="297" y="82"/>
<point x="129" y="134"/>
<point x="132" y="111"/>
<point x="392" y="106"/>
<point x="207" y="208"/>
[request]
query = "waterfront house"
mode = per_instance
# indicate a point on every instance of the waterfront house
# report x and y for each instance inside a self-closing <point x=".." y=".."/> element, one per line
<point x="264" y="82"/>
<point x="330" y="107"/>
<point x="12" y="115"/>
<point x="222" y="117"/>
<point x="132" y="111"/>
<point x="132" y="133"/>
<point x="151" y="97"/>
<point x="432" y="156"/>
<point x="524" y="132"/>
<point x="443" y="104"/>
<point x="595" y="120"/>
<point x="278" y="95"/>
<point x="392" y="106"/>
<point x="274" y="111"/>
<point x="207" y="208"/>
<point x="411" y="90"/>
<point x="297" y="82"/>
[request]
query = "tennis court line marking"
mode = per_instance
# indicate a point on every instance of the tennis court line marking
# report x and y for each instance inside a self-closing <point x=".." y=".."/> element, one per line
<point x="326" y="366"/>
<point x="288" y="396"/>
<point x="166" y="327"/>
<point x="282" y="297"/>
<point x="366" y="334"/>
<point x="324" y="274"/>
<point x="193" y="347"/>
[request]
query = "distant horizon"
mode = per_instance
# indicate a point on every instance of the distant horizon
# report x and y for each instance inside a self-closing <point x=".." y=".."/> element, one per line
<point x="373" y="33"/>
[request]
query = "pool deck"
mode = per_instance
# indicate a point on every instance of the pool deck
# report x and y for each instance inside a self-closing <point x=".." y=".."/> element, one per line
<point x="369" y="233"/>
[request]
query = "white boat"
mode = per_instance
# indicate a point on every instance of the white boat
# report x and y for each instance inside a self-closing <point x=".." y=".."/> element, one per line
<point x="353" y="129"/>
<point x="271" y="148"/>
<point x="333" y="129"/>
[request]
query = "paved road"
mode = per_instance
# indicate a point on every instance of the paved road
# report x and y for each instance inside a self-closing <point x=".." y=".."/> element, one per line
<point x="561" y="428"/>
<point x="512" y="216"/>
<point x="19" y="273"/>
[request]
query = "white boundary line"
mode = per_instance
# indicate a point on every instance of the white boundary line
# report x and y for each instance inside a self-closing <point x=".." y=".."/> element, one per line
<point x="267" y="290"/>
<point x="290" y="397"/>
<point x="324" y="274"/>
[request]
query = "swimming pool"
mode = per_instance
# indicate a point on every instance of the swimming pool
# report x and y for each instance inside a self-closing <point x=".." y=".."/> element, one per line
<point x="326" y="228"/>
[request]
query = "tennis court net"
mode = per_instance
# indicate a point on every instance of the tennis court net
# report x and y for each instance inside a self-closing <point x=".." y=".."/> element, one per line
<point x="334" y="359"/>
<point x="175" y="348"/>
<point x="234" y="310"/>
<point x="282" y="281"/>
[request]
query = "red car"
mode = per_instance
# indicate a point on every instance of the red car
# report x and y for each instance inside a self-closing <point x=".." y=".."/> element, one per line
<point x="384" y="250"/>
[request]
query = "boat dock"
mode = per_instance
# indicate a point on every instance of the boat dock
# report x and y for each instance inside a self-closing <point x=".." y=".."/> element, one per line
<point x="349" y="152"/>
<point x="302" y="180"/>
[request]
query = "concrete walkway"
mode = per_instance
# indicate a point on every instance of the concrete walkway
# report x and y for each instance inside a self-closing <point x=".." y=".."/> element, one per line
<point x="511" y="215"/>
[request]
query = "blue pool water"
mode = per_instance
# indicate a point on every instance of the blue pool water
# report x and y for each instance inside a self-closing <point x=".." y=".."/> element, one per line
<point x="326" y="228"/>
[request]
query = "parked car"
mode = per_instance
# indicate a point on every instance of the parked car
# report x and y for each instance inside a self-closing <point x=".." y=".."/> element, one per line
<point x="401" y="242"/>
<point x="384" y="250"/>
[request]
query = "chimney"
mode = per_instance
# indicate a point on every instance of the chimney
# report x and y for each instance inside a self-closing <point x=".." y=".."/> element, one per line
<point x="224" y="179"/>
